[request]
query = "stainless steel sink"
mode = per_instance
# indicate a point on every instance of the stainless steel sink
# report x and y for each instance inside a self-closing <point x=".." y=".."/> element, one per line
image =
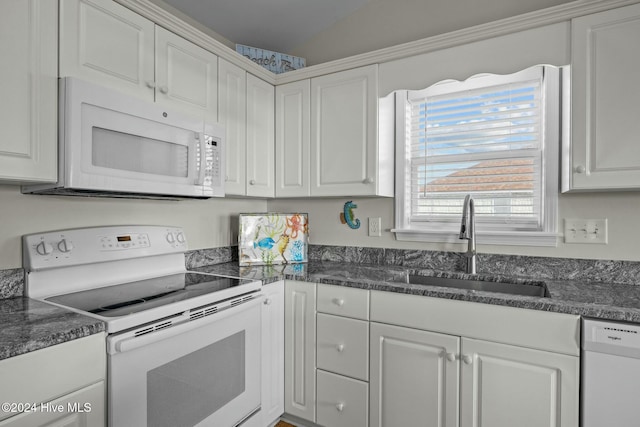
<point x="537" y="289"/>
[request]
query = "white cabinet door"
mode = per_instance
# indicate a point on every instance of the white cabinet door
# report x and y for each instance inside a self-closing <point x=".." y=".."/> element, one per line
<point x="29" y="90"/>
<point x="293" y="132"/>
<point x="186" y="75"/>
<point x="232" y="114"/>
<point x="413" y="382"/>
<point x="505" y="385"/>
<point x="82" y="408"/>
<point x="604" y="124"/>
<point x="104" y="42"/>
<point x="300" y="349"/>
<point x="260" y="138"/>
<point x="342" y="401"/>
<point x="344" y="149"/>
<point x="272" y="395"/>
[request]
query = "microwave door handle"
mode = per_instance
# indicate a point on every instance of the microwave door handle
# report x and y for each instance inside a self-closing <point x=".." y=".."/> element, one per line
<point x="203" y="158"/>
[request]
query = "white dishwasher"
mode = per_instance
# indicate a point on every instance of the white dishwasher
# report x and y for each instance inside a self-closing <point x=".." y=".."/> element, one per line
<point x="610" y="374"/>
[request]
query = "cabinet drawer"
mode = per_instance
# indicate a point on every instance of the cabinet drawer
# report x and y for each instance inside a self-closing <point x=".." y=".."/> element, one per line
<point x="342" y="402"/>
<point x="343" y="301"/>
<point x="342" y="346"/>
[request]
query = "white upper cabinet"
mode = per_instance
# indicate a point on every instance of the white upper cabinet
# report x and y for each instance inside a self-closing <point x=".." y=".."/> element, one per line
<point x="260" y="138"/>
<point x="186" y="75"/>
<point x="293" y="114"/>
<point x="232" y="114"/>
<point x="605" y="55"/>
<point x="29" y="90"/>
<point x="246" y="110"/>
<point x="345" y="151"/>
<point x="106" y="43"/>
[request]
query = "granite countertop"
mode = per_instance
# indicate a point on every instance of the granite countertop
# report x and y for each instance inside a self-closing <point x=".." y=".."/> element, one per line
<point x="29" y="325"/>
<point x="599" y="300"/>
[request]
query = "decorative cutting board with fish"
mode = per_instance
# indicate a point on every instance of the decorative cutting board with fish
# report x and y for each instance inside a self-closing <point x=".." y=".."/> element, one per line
<point x="273" y="238"/>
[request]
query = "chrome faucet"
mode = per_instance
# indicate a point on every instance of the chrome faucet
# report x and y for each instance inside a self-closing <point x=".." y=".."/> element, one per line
<point x="468" y="232"/>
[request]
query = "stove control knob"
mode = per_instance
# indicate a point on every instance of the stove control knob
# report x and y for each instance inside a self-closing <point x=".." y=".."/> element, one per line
<point x="44" y="248"/>
<point x="180" y="237"/>
<point x="171" y="238"/>
<point x="65" y="246"/>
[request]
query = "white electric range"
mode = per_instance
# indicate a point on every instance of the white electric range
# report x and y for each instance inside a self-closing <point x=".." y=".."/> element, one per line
<point x="183" y="347"/>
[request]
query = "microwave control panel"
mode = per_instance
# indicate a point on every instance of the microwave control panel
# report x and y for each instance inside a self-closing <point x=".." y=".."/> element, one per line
<point x="214" y="159"/>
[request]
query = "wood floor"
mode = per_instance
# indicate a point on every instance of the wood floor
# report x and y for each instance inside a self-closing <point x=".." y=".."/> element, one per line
<point x="283" y="424"/>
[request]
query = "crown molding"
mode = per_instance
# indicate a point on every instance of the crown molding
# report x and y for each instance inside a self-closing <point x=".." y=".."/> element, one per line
<point x="539" y="18"/>
<point x="170" y="22"/>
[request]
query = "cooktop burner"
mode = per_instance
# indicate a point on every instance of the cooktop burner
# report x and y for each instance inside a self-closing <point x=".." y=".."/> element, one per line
<point x="133" y="297"/>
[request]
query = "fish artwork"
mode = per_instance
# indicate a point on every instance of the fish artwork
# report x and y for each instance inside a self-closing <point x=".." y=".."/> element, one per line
<point x="272" y="238"/>
<point x="266" y="243"/>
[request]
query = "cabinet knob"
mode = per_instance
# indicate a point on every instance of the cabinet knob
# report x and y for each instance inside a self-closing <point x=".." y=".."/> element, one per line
<point x="267" y="301"/>
<point x="368" y="180"/>
<point x="338" y="302"/>
<point x="340" y="407"/>
<point x="164" y="89"/>
<point x="467" y="359"/>
<point x="579" y="169"/>
<point x="340" y="348"/>
<point x="151" y="85"/>
<point x="252" y="182"/>
<point x="451" y="357"/>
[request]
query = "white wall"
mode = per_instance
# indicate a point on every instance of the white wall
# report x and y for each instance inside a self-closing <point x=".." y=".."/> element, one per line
<point x="384" y="23"/>
<point x="207" y="223"/>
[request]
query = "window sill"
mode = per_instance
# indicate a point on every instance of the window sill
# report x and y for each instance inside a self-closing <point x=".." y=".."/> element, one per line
<point x="517" y="238"/>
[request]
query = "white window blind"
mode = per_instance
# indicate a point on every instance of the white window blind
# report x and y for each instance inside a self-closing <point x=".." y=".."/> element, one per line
<point x="480" y="137"/>
<point x="492" y="136"/>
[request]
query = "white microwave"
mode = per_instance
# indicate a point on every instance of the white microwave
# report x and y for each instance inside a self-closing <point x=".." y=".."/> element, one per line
<point x="111" y="144"/>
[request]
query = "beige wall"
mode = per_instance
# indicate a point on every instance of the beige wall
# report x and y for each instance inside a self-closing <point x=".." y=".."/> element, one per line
<point x="384" y="23"/>
<point x="621" y="210"/>
<point x="505" y="54"/>
<point x="207" y="223"/>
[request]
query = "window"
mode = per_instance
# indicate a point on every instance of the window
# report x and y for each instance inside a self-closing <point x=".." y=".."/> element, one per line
<point x="495" y="137"/>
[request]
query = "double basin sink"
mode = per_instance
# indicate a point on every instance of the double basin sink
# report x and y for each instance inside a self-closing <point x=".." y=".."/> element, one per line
<point x="535" y="289"/>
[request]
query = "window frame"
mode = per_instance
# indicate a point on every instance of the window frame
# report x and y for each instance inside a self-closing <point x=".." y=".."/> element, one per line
<point x="555" y="130"/>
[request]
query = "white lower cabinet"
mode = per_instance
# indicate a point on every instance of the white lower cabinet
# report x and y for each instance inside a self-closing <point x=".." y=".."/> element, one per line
<point x="417" y="375"/>
<point x="342" y="346"/>
<point x="300" y="349"/>
<point x="504" y="385"/>
<point x="414" y="377"/>
<point x="64" y="385"/>
<point x="383" y="359"/>
<point x="272" y="392"/>
<point x="341" y="401"/>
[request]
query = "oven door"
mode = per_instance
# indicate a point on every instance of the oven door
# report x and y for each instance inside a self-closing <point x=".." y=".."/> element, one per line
<point x="204" y="372"/>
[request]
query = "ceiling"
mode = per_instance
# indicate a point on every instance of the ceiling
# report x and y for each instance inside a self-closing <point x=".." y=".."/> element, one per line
<point x="278" y="25"/>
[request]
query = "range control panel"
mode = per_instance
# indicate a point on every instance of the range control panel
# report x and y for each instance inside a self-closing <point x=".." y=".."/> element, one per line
<point x="99" y="244"/>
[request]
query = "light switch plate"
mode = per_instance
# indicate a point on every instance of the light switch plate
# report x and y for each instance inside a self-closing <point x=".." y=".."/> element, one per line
<point x="589" y="231"/>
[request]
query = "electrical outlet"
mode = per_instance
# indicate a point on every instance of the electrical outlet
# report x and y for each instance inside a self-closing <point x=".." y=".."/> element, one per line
<point x="577" y="230"/>
<point x="375" y="227"/>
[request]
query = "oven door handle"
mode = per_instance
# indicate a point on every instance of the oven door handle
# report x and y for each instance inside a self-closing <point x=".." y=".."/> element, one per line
<point x="121" y="345"/>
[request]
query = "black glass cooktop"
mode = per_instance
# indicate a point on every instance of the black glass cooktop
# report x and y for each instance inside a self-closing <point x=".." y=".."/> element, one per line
<point x="133" y="297"/>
